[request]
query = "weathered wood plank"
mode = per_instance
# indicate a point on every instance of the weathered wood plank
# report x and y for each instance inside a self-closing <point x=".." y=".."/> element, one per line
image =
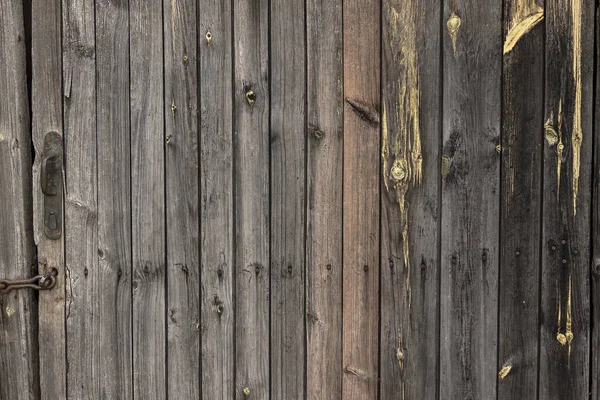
<point x="147" y="194"/>
<point x="361" y="199"/>
<point x="217" y="199"/>
<point x="251" y="197"/>
<point x="288" y="212"/>
<point x="182" y="198"/>
<point x="46" y="107"/>
<point x="595" y="231"/>
<point x="19" y="373"/>
<point x="565" y="303"/>
<point x="410" y="205"/>
<point x="472" y="60"/>
<point x="324" y="199"/>
<point x="521" y="147"/>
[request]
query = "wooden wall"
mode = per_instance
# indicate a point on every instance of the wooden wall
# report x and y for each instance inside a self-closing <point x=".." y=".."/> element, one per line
<point x="287" y="199"/>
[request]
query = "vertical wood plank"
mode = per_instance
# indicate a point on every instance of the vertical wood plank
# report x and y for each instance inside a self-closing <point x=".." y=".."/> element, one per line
<point x="147" y="193"/>
<point x="182" y="201"/>
<point x="325" y="109"/>
<point x="521" y="147"/>
<point x="565" y="304"/>
<point x="217" y="199"/>
<point x="251" y="197"/>
<point x="288" y="180"/>
<point x="595" y="298"/>
<point x="19" y="371"/>
<point x="472" y="60"/>
<point x="410" y="203"/>
<point x="46" y="107"/>
<point x="361" y="199"/>
<point x="85" y="285"/>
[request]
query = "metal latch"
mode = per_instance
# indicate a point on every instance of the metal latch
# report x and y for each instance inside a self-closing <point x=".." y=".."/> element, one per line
<point x="52" y="185"/>
<point x="39" y="282"/>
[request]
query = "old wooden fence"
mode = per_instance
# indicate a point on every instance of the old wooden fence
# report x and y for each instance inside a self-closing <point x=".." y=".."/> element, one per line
<point x="287" y="199"/>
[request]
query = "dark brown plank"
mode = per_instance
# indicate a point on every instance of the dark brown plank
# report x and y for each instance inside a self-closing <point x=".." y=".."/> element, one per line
<point x="410" y="204"/>
<point x="472" y="60"/>
<point x="565" y="303"/>
<point x="324" y="199"/>
<point x="46" y="108"/>
<point x="361" y="199"/>
<point x="182" y="201"/>
<point x="147" y="198"/>
<point x="288" y="213"/>
<point x="251" y="197"/>
<point x="19" y="377"/>
<point x="217" y="199"/>
<point x="595" y="231"/>
<point x="521" y="147"/>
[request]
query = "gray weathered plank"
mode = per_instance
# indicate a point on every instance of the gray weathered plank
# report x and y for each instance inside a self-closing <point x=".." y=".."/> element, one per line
<point x="19" y="377"/>
<point x="147" y="198"/>
<point x="85" y="286"/>
<point x="288" y="179"/>
<point x="182" y="201"/>
<point x="521" y="147"/>
<point x="472" y="62"/>
<point x="46" y="108"/>
<point x="410" y="204"/>
<point x="565" y="303"/>
<point x="324" y="199"/>
<point x="217" y="199"/>
<point x="361" y="199"/>
<point x="251" y="197"/>
<point x="595" y="231"/>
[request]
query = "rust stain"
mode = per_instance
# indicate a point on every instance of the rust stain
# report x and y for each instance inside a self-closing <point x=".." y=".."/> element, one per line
<point x="524" y="16"/>
<point x="406" y="170"/>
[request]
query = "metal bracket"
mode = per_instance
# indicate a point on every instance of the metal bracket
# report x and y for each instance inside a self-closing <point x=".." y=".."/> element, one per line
<point x="39" y="282"/>
<point x="52" y="185"/>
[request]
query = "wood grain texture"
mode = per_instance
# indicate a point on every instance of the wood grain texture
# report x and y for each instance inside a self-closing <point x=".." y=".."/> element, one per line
<point x="19" y="373"/>
<point x="109" y="274"/>
<point x="251" y="197"/>
<point x="410" y="199"/>
<point x="521" y="147"/>
<point x="361" y="199"/>
<point x="85" y="285"/>
<point x="218" y="318"/>
<point x="148" y="198"/>
<point x="325" y="110"/>
<point x="288" y="212"/>
<point x="182" y="198"/>
<point x="470" y="199"/>
<point x="565" y="304"/>
<point x="595" y="231"/>
<point x="47" y="114"/>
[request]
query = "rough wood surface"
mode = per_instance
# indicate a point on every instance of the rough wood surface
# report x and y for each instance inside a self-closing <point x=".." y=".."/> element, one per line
<point x="595" y="231"/>
<point x="46" y="110"/>
<point x="288" y="212"/>
<point x="521" y="154"/>
<point x="325" y="110"/>
<point x="148" y="198"/>
<point x="251" y="197"/>
<point x="565" y="303"/>
<point x="410" y="184"/>
<point x="361" y="199"/>
<point x="182" y="199"/>
<point x="472" y="62"/>
<point x="19" y="371"/>
<point x="218" y="351"/>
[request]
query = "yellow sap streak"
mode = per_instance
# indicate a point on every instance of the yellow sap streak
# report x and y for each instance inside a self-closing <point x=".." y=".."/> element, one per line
<point x="173" y="17"/>
<point x="522" y="26"/>
<point x="560" y="336"/>
<point x="504" y="371"/>
<point x="453" y="24"/>
<point x="406" y="171"/>
<point x="568" y="323"/>
<point x="559" y="149"/>
<point x="577" y="136"/>
<point x="385" y="149"/>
